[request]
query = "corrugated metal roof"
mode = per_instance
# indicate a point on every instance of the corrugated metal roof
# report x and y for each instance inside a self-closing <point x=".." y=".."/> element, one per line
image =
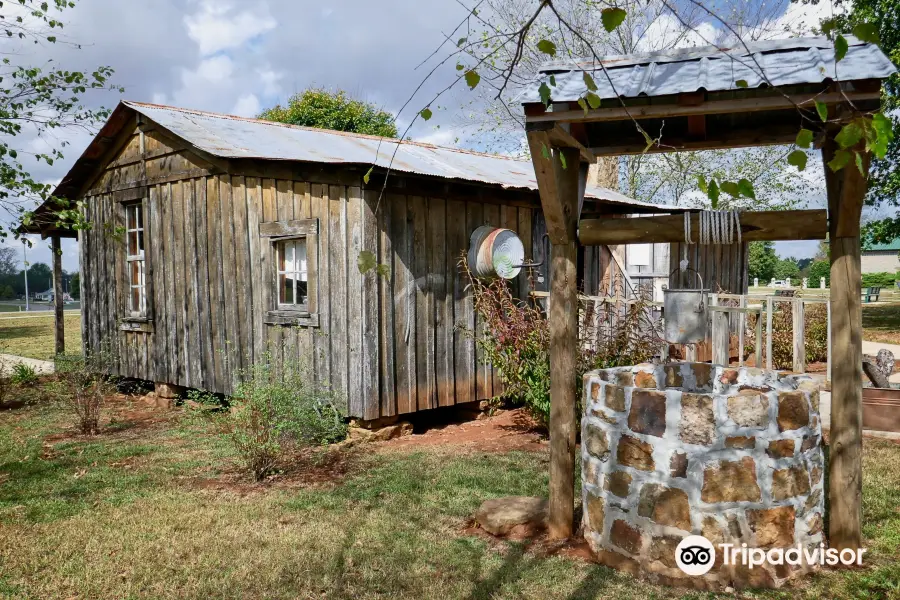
<point x="794" y="61"/>
<point x="236" y="137"/>
<point x="893" y="245"/>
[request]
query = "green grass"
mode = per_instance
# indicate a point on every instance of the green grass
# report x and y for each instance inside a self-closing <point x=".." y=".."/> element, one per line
<point x="881" y="323"/>
<point x="33" y="336"/>
<point x="125" y="515"/>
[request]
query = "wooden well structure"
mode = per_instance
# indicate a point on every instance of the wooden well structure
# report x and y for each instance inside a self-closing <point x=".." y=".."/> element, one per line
<point x="699" y="99"/>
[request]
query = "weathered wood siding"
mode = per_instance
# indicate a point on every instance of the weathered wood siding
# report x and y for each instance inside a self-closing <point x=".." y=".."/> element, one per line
<point x="390" y="345"/>
<point x="723" y="267"/>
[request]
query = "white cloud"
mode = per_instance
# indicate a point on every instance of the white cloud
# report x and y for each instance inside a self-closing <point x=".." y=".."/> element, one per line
<point x="215" y="29"/>
<point x="666" y="32"/>
<point x="270" y="80"/>
<point x="247" y="106"/>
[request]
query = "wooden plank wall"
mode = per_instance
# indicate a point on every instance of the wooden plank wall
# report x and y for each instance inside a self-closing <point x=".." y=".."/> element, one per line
<point x="723" y="268"/>
<point x="390" y="345"/>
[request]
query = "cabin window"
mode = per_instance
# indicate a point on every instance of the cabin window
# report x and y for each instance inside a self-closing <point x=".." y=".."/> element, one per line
<point x="136" y="264"/>
<point x="292" y="275"/>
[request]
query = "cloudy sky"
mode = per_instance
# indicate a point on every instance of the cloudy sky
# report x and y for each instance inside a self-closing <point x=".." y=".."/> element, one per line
<point x="240" y="56"/>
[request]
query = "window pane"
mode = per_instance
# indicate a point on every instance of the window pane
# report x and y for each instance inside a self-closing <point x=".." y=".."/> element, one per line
<point x="301" y="261"/>
<point x="287" y="289"/>
<point x="141" y="242"/>
<point x="135" y="305"/>
<point x="301" y="292"/>
<point x="129" y="217"/>
<point x="136" y="275"/>
<point x="139" y="213"/>
<point x="288" y="256"/>
<point x="132" y="243"/>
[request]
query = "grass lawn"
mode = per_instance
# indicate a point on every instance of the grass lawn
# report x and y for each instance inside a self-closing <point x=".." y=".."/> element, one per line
<point x="881" y="323"/>
<point x="33" y="336"/>
<point x="154" y="508"/>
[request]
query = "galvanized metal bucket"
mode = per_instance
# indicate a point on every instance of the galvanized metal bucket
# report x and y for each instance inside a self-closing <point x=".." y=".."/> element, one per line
<point x="686" y="313"/>
<point x="495" y="253"/>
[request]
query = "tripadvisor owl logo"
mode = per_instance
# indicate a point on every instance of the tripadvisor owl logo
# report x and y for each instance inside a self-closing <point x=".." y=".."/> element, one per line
<point x="695" y="555"/>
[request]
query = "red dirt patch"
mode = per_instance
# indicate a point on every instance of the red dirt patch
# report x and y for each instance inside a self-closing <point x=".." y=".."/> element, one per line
<point x="505" y="431"/>
<point x="310" y="468"/>
<point x="121" y="413"/>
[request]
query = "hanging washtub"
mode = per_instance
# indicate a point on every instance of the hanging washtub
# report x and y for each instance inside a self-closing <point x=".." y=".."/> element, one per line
<point x="495" y="253"/>
<point x="686" y="312"/>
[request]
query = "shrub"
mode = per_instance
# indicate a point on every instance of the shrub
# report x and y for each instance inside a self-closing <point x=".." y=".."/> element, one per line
<point x="815" y="318"/>
<point x="817" y="270"/>
<point x="24" y="375"/>
<point x="83" y="382"/>
<point x="879" y="279"/>
<point x="274" y="408"/>
<point x="515" y="339"/>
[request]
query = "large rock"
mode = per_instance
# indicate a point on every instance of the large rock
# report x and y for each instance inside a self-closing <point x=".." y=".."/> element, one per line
<point x="626" y="537"/>
<point x="596" y="511"/>
<point x="749" y="409"/>
<point x="790" y="482"/>
<point x="793" y="411"/>
<point x="501" y="516"/>
<point x="596" y="442"/>
<point x="632" y="452"/>
<point x="698" y="422"/>
<point x="648" y="412"/>
<point x="666" y="506"/>
<point x="774" y="527"/>
<point x="730" y="481"/>
<point x="618" y="483"/>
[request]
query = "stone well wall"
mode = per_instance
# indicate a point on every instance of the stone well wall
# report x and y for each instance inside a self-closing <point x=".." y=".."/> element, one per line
<point x="668" y="451"/>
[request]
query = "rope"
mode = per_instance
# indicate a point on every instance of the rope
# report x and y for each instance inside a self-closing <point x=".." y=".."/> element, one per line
<point x="716" y="227"/>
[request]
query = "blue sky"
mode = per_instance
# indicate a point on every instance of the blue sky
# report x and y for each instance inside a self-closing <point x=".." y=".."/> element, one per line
<point x="239" y="57"/>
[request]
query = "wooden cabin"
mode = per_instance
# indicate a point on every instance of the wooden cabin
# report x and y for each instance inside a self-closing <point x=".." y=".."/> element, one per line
<point x="216" y="240"/>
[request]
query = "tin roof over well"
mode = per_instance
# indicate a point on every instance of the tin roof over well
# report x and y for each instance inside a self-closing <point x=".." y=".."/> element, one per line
<point x="794" y="61"/>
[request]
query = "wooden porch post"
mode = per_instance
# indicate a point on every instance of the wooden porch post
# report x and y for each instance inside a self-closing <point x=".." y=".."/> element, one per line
<point x="559" y="190"/>
<point x="846" y="190"/>
<point x="60" y="336"/>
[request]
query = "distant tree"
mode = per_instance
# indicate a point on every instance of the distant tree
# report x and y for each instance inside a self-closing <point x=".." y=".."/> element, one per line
<point x="318" y="107"/>
<point x="7" y="292"/>
<point x="787" y="268"/>
<point x="819" y="269"/>
<point x="8" y="260"/>
<point x="75" y="285"/>
<point x="39" y="278"/>
<point x="763" y="261"/>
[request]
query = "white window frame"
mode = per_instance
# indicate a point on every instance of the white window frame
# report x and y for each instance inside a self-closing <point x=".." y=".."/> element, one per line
<point x="135" y="229"/>
<point x="296" y="267"/>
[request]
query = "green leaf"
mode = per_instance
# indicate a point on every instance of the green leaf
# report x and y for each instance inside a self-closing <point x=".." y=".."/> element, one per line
<point x="366" y="261"/>
<point x="547" y="47"/>
<point x="804" y="138"/>
<point x="867" y="32"/>
<point x="368" y="175"/>
<point x="472" y="79"/>
<point x="701" y="183"/>
<point x="798" y="158"/>
<point x="840" y="160"/>
<point x="562" y="160"/>
<point x="745" y="187"/>
<point x="553" y="80"/>
<point x="544" y="91"/>
<point x="849" y="135"/>
<point x="884" y="134"/>
<point x="612" y="18"/>
<point x="461" y="41"/>
<point x="840" y="48"/>
<point x="731" y="188"/>
<point x="589" y="82"/>
<point x="713" y="193"/>
<point x="583" y="104"/>
<point x="828" y="26"/>
<point x="426" y="113"/>
<point x="859" y="163"/>
<point x="822" y="109"/>
<point x="741" y="83"/>
<point x="593" y="99"/>
<point x="460" y="67"/>
<point x="383" y="271"/>
<point x="545" y="151"/>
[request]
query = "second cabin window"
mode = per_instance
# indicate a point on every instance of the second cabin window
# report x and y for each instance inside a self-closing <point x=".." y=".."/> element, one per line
<point x="292" y="275"/>
<point x="137" y="275"/>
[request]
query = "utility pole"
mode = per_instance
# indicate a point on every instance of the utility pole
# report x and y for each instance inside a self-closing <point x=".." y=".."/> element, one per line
<point x="25" y="255"/>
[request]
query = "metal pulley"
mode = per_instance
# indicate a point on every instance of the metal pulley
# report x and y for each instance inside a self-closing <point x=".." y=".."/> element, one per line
<point x="495" y="253"/>
<point x="686" y="313"/>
